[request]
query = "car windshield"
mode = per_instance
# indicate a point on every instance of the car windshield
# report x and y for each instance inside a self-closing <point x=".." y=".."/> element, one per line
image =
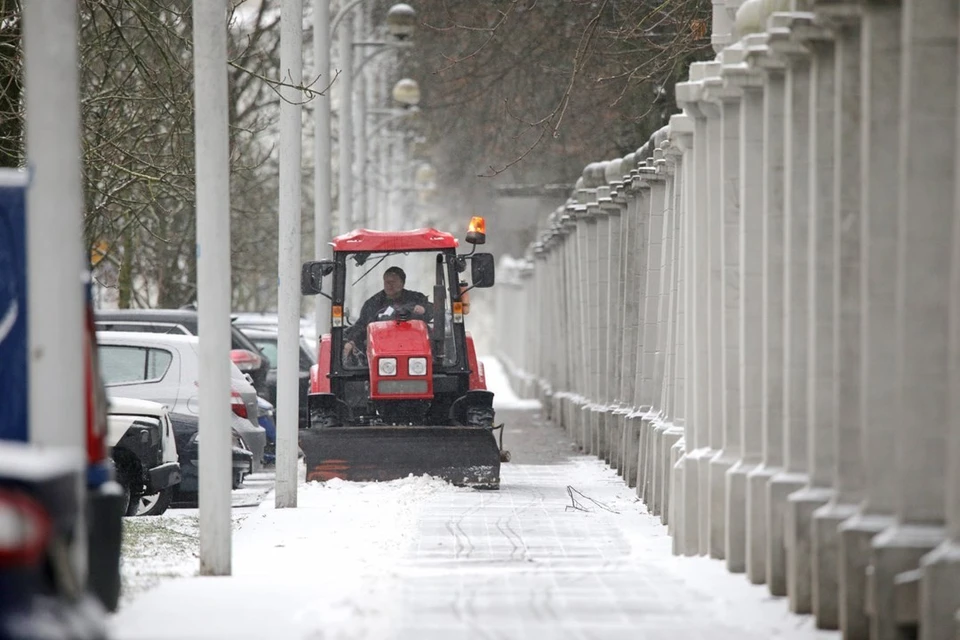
<point x="392" y="284"/>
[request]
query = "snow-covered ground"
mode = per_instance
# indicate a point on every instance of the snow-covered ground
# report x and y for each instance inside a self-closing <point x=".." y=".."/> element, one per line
<point x="563" y="549"/>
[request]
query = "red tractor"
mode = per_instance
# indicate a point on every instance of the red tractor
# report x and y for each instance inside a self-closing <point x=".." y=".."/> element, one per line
<point x="398" y="389"/>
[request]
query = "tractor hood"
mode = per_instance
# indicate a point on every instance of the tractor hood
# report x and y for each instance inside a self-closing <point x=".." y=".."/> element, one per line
<point x="401" y="364"/>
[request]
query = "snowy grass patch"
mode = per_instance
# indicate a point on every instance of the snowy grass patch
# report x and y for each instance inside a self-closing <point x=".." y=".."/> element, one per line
<point x="156" y="549"/>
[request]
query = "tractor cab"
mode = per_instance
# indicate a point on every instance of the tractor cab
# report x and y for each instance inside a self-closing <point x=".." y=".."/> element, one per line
<point x="398" y="371"/>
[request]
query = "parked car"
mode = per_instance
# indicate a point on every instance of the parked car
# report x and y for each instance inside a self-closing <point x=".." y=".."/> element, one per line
<point x="266" y="341"/>
<point x="186" y="322"/>
<point x="270" y="322"/>
<point x="43" y="489"/>
<point x="39" y="504"/>
<point x="145" y="454"/>
<point x="165" y="368"/>
<point x="186" y="431"/>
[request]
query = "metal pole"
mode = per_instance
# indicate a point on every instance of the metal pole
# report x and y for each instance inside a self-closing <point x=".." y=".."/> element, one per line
<point x="54" y="235"/>
<point x="55" y="224"/>
<point x="213" y="281"/>
<point x="322" y="172"/>
<point x="288" y="349"/>
<point x="346" y="128"/>
<point x="360" y="119"/>
<point x="363" y="215"/>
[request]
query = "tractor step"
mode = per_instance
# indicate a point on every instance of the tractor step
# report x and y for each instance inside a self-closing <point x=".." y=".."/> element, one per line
<point x="463" y="456"/>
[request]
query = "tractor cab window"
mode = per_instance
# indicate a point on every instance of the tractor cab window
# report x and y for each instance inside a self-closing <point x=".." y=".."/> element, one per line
<point x="391" y="287"/>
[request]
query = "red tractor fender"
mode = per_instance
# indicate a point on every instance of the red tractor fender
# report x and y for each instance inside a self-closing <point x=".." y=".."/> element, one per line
<point x="320" y="372"/>
<point x="478" y="381"/>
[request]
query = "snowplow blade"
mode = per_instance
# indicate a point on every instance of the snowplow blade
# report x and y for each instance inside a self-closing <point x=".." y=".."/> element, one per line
<point x="463" y="456"/>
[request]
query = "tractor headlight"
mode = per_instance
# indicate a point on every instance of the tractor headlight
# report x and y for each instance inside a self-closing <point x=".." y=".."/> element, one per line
<point x="417" y="366"/>
<point x="387" y="366"/>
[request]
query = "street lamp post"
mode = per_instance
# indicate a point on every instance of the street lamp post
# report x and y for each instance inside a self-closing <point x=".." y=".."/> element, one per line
<point x="322" y="196"/>
<point x="407" y="93"/>
<point x="213" y="283"/>
<point x="401" y="23"/>
<point x="288" y="350"/>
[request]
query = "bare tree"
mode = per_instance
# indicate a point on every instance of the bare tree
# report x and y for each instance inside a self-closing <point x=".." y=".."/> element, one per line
<point x="528" y="90"/>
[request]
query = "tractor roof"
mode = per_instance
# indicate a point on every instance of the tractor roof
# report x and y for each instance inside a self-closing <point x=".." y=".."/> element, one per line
<point x="416" y="240"/>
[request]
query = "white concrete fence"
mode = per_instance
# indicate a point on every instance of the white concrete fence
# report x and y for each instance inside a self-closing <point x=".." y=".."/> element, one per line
<point x="755" y="318"/>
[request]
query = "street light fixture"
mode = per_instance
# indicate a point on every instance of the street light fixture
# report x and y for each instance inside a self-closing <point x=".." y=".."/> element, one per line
<point x="407" y="92"/>
<point x="401" y="21"/>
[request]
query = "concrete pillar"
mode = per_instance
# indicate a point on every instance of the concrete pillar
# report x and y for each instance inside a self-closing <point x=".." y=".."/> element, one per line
<point x="597" y="237"/>
<point x="682" y="127"/>
<point x="666" y="433"/>
<point x="819" y="401"/>
<point x="665" y="168"/>
<point x="648" y="385"/>
<point x="940" y="586"/>
<point x="619" y="291"/>
<point x="583" y="295"/>
<point x="574" y="361"/>
<point x="562" y="399"/>
<point x="713" y="488"/>
<point x="795" y="298"/>
<point x="749" y="248"/>
<point x="634" y="420"/>
<point x="927" y="200"/>
<point x="764" y="560"/>
<point x="631" y="317"/>
<point x="880" y="145"/>
<point x="696" y="434"/>
<point x="592" y="298"/>
<point x="681" y="133"/>
<point x="629" y="309"/>
<point x="616" y="208"/>
<point x="847" y="472"/>
<point x="725" y="224"/>
<point x="604" y="255"/>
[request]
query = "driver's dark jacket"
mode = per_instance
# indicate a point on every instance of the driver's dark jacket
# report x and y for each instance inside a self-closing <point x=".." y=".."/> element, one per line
<point x="357" y="333"/>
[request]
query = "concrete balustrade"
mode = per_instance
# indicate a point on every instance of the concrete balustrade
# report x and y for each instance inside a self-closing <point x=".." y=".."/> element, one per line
<point x="754" y="318"/>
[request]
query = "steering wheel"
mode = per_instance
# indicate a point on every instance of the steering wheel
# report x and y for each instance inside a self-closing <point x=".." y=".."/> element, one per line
<point x="356" y="359"/>
<point x="400" y="312"/>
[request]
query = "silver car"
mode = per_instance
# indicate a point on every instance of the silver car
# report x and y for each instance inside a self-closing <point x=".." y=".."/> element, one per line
<point x="165" y="368"/>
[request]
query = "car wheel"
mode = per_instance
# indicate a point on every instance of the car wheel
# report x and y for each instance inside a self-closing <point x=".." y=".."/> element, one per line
<point x="154" y="505"/>
<point x="237" y="479"/>
<point x="125" y="503"/>
<point x="132" y="500"/>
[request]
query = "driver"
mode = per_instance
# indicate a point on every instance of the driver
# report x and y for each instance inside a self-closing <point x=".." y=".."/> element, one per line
<point x="393" y="295"/>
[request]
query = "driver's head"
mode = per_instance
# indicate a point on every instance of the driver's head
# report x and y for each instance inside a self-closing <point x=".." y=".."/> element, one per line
<point x="393" y="281"/>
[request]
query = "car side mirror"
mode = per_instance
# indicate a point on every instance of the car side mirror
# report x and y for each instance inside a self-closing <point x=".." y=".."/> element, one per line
<point x="311" y="276"/>
<point x="482" y="270"/>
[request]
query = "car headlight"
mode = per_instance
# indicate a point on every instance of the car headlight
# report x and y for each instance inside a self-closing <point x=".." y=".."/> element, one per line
<point x="387" y="366"/>
<point x="417" y="366"/>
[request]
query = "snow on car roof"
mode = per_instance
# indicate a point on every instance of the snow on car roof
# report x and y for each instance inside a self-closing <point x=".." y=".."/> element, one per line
<point x="133" y="406"/>
<point x="144" y="337"/>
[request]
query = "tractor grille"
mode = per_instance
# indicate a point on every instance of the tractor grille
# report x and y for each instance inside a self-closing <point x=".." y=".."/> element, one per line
<point x="390" y="387"/>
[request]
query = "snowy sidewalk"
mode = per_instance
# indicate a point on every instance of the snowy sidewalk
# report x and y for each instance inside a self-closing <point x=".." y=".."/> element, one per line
<point x="562" y="550"/>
